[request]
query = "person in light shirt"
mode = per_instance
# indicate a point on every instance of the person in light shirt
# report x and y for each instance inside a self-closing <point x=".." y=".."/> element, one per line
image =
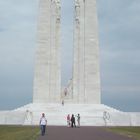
<point x="68" y="120"/>
<point x="43" y="123"/>
<point x="78" y="120"/>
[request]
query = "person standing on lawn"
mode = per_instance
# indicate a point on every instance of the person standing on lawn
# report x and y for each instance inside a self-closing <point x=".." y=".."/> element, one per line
<point x="43" y="123"/>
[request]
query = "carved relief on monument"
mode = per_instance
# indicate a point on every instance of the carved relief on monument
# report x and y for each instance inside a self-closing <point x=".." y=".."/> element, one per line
<point x="58" y="11"/>
<point x="77" y="12"/>
<point x="67" y="92"/>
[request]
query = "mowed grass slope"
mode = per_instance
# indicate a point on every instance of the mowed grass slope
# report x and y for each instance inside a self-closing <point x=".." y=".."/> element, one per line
<point x="19" y="132"/>
<point x="133" y="132"/>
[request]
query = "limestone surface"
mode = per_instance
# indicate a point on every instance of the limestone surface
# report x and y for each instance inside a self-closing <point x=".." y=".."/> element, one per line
<point x="47" y="76"/>
<point x="91" y="115"/>
<point x="86" y="73"/>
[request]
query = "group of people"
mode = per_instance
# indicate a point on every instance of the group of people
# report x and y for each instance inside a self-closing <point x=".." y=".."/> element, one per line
<point x="71" y="120"/>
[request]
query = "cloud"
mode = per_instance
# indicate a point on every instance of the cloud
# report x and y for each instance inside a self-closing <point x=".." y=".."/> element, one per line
<point x="18" y="31"/>
<point x="17" y="43"/>
<point x="119" y="50"/>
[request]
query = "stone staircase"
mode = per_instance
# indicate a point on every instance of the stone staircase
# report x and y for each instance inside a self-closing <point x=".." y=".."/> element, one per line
<point x="91" y="115"/>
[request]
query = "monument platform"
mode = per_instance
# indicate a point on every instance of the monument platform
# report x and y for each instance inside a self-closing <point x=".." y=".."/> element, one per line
<point x="91" y="115"/>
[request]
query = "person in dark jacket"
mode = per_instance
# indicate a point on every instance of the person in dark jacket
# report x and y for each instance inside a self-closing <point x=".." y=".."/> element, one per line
<point x="73" y="121"/>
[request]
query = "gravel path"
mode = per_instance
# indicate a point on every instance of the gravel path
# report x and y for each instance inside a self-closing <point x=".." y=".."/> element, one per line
<point x="82" y="133"/>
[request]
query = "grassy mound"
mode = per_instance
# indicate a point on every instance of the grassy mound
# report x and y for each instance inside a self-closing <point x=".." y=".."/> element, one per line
<point x="19" y="132"/>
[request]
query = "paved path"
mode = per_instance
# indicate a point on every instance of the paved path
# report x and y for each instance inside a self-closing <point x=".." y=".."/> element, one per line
<point x="82" y="133"/>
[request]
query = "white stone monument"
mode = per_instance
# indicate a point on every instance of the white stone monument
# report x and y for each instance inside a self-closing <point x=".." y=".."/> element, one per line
<point x="86" y="73"/>
<point x="85" y="90"/>
<point x="47" y="78"/>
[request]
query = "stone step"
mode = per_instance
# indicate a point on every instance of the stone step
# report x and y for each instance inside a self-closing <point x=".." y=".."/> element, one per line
<point x="91" y="115"/>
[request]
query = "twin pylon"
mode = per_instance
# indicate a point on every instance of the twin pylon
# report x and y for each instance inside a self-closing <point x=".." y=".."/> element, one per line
<point x="85" y="84"/>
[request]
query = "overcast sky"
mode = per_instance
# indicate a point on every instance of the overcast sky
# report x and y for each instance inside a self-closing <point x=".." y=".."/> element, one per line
<point x="119" y="37"/>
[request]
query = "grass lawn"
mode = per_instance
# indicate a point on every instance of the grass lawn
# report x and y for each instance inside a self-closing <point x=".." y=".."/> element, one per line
<point x="19" y="132"/>
<point x="133" y="132"/>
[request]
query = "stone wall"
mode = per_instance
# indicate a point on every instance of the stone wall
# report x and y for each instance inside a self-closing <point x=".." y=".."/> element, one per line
<point x="12" y="117"/>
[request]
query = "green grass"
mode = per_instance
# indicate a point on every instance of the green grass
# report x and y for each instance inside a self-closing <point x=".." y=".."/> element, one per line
<point x="19" y="132"/>
<point x="133" y="132"/>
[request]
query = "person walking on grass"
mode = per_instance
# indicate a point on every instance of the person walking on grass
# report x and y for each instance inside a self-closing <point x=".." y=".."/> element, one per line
<point x="43" y="123"/>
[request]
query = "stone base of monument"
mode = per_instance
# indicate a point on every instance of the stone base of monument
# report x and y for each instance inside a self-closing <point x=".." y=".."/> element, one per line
<point x="91" y="115"/>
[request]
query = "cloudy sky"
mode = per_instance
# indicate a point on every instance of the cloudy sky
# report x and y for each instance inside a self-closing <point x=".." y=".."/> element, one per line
<point x="119" y="37"/>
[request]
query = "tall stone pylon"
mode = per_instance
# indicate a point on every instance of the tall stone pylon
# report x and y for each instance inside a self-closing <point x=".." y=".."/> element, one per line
<point x="47" y="77"/>
<point x="86" y="73"/>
